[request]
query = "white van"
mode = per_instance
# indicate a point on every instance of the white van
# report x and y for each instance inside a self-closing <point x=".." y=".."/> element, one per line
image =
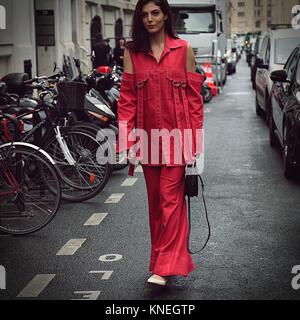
<point x="200" y="23"/>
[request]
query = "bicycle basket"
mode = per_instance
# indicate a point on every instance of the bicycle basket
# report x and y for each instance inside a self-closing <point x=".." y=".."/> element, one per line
<point x="71" y="95"/>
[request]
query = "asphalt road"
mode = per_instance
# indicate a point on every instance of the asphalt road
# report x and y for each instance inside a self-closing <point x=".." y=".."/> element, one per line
<point x="253" y="210"/>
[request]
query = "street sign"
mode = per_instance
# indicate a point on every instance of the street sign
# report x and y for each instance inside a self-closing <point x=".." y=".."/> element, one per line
<point x="45" y="29"/>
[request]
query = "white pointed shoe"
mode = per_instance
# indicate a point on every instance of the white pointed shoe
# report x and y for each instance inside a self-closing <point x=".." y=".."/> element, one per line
<point x="162" y="281"/>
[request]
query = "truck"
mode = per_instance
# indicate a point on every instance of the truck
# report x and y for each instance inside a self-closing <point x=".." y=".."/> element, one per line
<point x="203" y="24"/>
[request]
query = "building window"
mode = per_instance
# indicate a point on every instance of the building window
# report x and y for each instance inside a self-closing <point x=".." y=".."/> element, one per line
<point x="257" y="3"/>
<point x="256" y="13"/>
<point x="241" y="4"/>
<point x="257" y="24"/>
<point x="241" y="14"/>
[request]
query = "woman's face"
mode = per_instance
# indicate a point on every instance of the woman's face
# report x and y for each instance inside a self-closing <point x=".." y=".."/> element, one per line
<point x="121" y="43"/>
<point x="153" y="17"/>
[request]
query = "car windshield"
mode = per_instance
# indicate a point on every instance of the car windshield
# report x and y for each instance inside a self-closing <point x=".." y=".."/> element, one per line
<point x="283" y="48"/>
<point x="193" y="21"/>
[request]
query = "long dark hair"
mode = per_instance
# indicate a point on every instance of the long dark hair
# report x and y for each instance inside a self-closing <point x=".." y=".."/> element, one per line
<point x="139" y="34"/>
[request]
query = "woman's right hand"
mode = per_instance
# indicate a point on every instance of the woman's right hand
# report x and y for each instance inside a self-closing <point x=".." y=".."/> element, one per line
<point x="130" y="155"/>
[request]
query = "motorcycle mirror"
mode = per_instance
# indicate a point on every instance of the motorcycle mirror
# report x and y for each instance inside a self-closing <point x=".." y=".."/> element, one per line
<point x="93" y="56"/>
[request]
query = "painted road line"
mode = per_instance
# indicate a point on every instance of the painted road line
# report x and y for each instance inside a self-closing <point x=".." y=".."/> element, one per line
<point x="95" y="219"/>
<point x="70" y="247"/>
<point x="114" y="198"/>
<point x="111" y="257"/>
<point x="242" y="93"/>
<point x="207" y="110"/>
<point x="129" y="182"/>
<point x="139" y="169"/>
<point x="88" y="295"/>
<point x="36" y="286"/>
<point x="106" y="274"/>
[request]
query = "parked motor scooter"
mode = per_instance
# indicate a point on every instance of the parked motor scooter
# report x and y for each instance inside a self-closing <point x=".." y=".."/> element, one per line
<point x="101" y="101"/>
<point x="205" y="90"/>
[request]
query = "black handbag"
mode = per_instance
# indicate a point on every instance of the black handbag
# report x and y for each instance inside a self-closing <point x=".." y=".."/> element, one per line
<point x="191" y="190"/>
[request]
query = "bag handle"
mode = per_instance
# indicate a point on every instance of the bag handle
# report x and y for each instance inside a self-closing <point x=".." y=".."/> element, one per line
<point x="189" y="219"/>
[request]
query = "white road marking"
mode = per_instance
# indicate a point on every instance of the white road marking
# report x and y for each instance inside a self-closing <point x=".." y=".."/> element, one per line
<point x="114" y="198"/>
<point x="129" y="182"/>
<point x="95" y="219"/>
<point x="139" y="169"/>
<point x="70" y="247"/>
<point x="110" y="257"/>
<point x="36" y="286"/>
<point x="88" y="295"/>
<point x="238" y="93"/>
<point x="106" y="274"/>
<point x="207" y="110"/>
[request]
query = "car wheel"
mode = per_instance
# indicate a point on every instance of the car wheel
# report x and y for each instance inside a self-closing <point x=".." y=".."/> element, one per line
<point x="288" y="168"/>
<point x="207" y="95"/>
<point x="257" y="107"/>
<point x="268" y="109"/>
<point x="224" y="81"/>
<point x="272" y="136"/>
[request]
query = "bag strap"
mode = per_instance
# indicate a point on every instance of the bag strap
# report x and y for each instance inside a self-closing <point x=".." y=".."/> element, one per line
<point x="189" y="218"/>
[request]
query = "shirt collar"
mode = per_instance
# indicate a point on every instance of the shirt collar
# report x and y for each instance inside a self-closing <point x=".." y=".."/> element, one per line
<point x="171" y="43"/>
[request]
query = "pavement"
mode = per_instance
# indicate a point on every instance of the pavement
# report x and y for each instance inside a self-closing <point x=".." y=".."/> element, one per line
<point x="253" y="211"/>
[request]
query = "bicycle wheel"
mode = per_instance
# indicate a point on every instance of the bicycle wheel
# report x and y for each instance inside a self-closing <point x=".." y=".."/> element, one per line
<point x="26" y="202"/>
<point x="95" y="131"/>
<point x="86" y="177"/>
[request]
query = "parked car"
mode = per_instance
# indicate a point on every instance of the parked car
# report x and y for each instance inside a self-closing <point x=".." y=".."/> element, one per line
<point x="277" y="45"/>
<point x="249" y="44"/>
<point x="257" y="48"/>
<point x="239" y="52"/>
<point x="285" y="113"/>
<point x="231" y="57"/>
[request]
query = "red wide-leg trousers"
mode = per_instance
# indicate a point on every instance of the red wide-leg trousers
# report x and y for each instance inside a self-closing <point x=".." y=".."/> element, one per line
<point x="168" y="221"/>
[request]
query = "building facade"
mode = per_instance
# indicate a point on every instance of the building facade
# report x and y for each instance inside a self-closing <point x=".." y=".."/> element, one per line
<point x="38" y="33"/>
<point x="258" y="15"/>
<point x="281" y="10"/>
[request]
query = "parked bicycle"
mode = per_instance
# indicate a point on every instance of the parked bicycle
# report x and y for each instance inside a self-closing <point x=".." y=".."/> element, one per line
<point x="30" y="191"/>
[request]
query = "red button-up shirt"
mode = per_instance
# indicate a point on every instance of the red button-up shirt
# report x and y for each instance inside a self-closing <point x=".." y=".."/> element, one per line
<point x="161" y="95"/>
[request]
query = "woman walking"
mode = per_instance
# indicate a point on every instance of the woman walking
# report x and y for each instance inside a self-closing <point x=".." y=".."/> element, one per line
<point x="160" y="92"/>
